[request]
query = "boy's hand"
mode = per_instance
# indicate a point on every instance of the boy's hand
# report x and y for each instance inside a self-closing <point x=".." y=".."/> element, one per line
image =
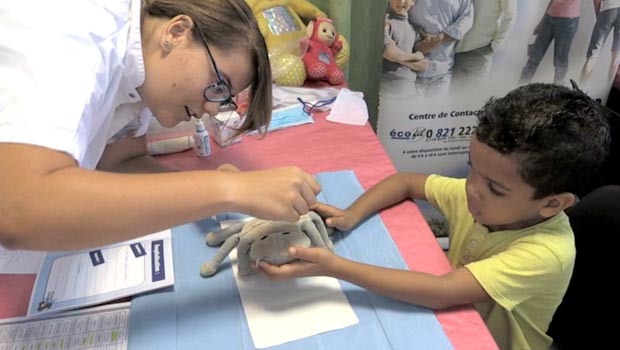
<point x="311" y="262"/>
<point x="339" y="219"/>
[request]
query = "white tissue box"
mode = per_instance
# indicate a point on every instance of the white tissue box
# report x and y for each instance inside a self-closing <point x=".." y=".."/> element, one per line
<point x="223" y="128"/>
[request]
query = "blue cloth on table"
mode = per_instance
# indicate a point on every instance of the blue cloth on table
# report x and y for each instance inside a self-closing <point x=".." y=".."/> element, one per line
<point x="200" y="313"/>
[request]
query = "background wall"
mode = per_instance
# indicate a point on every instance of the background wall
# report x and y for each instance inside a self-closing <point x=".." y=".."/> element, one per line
<point x="361" y="22"/>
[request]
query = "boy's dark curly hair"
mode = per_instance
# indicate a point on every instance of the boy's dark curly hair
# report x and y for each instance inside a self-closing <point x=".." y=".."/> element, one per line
<point x="559" y="136"/>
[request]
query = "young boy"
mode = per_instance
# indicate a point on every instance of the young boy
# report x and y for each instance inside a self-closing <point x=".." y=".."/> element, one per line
<point x="511" y="245"/>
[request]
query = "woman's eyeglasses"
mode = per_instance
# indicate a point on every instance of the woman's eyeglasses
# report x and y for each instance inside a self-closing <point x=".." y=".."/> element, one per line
<point x="220" y="90"/>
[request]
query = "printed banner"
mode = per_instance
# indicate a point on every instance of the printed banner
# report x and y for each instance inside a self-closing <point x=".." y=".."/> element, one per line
<point x="443" y="59"/>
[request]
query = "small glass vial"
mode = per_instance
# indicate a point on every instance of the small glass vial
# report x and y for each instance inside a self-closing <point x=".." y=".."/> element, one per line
<point x="202" y="147"/>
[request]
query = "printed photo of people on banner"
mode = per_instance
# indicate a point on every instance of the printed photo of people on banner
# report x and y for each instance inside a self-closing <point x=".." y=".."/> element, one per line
<point x="443" y="59"/>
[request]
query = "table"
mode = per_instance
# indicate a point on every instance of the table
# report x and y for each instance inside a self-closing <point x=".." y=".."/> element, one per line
<point x="326" y="146"/>
<point x="321" y="147"/>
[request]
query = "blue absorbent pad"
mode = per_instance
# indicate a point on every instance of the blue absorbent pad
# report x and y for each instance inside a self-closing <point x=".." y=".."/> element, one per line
<point x="199" y="313"/>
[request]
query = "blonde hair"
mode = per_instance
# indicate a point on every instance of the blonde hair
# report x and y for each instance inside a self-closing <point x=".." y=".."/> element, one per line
<point x="228" y="24"/>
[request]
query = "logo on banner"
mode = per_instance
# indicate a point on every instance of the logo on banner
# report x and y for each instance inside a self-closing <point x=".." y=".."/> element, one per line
<point x="460" y="133"/>
<point x="414" y="135"/>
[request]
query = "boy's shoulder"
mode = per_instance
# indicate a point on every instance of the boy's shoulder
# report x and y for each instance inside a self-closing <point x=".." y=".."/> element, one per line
<point x="556" y="226"/>
<point x="439" y="180"/>
<point x="438" y="184"/>
<point x="553" y="235"/>
<point x="446" y="192"/>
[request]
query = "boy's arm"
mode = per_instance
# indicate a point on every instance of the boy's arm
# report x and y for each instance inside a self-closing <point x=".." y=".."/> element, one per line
<point x="417" y="66"/>
<point x="458" y="287"/>
<point x="436" y="292"/>
<point x="391" y="190"/>
<point x="393" y="53"/>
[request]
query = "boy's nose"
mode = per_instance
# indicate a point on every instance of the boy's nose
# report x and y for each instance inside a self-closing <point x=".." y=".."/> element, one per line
<point x="470" y="186"/>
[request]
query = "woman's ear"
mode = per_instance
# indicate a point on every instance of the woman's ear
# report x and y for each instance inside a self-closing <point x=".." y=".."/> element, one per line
<point x="177" y="30"/>
<point x="556" y="203"/>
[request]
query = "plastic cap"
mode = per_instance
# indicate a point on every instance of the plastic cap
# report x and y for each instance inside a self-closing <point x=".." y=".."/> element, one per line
<point x="200" y="126"/>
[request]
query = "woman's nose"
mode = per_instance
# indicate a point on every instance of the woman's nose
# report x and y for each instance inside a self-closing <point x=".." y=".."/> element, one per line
<point x="212" y="108"/>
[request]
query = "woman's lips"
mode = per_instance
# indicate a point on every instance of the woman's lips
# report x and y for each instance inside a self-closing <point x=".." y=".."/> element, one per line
<point x="190" y="113"/>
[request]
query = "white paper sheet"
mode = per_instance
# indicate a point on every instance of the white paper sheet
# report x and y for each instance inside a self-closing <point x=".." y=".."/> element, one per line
<point x="20" y="261"/>
<point x="304" y="307"/>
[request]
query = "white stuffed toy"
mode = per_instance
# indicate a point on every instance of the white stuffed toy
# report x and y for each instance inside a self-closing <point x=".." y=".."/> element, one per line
<point x="266" y="240"/>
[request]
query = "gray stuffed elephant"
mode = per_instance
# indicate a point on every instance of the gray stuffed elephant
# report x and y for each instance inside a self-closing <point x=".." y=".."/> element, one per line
<point x="265" y="240"/>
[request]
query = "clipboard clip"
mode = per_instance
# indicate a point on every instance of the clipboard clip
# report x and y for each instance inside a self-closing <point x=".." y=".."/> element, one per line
<point x="47" y="302"/>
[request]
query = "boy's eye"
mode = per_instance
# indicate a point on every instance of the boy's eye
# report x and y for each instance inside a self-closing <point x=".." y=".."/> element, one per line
<point x="494" y="190"/>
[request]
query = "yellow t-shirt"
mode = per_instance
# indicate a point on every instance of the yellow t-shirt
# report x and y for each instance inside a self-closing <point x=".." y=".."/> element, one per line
<point x="525" y="272"/>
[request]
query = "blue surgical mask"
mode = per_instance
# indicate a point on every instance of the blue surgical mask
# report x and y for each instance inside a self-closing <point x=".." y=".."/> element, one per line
<point x="290" y="116"/>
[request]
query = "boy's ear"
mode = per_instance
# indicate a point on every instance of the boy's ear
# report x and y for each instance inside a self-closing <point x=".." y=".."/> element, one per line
<point x="556" y="203"/>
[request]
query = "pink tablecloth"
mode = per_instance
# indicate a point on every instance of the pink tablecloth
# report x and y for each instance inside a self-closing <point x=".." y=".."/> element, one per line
<point x="327" y="146"/>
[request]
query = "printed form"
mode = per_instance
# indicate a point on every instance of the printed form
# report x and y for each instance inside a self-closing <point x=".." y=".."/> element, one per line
<point x="94" y="328"/>
<point x="75" y="279"/>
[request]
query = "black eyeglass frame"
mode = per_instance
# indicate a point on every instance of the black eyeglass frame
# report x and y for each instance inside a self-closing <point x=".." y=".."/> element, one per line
<point x="220" y="90"/>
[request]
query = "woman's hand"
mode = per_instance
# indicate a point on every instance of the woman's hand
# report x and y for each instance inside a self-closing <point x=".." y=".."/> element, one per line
<point x="273" y="194"/>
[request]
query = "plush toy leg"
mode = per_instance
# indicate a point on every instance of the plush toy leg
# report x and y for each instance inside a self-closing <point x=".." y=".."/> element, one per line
<point x="210" y="267"/>
<point x="335" y="76"/>
<point x="217" y="237"/>
<point x="317" y="71"/>
<point x="243" y="255"/>
<point x="317" y="232"/>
